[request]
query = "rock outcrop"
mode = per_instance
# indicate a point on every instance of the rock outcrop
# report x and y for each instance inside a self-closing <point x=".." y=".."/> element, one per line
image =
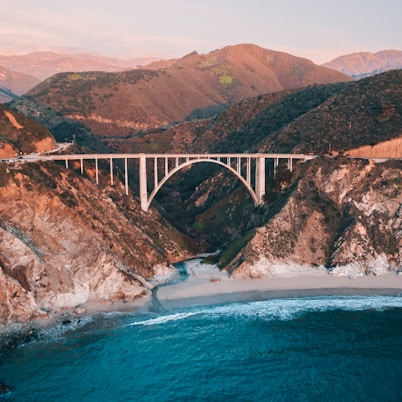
<point x="65" y="241"/>
<point x="339" y="213"/>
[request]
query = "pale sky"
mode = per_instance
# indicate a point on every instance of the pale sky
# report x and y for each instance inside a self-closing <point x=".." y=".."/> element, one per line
<point x="319" y="30"/>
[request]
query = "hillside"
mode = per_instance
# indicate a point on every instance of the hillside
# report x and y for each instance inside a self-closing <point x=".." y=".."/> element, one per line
<point x="366" y="112"/>
<point x="319" y="119"/>
<point x="14" y="84"/>
<point x="65" y="241"/>
<point x="365" y="64"/>
<point x="338" y="213"/>
<point x="121" y="103"/>
<point x="20" y="134"/>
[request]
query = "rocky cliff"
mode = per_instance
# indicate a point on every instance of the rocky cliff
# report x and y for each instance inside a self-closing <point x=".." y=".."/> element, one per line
<point x="338" y="213"/>
<point x="65" y="241"/>
<point x="21" y="134"/>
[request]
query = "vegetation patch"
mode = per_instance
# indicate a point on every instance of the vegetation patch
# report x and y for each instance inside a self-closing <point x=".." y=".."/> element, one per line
<point x="235" y="248"/>
<point x="223" y="77"/>
<point x="75" y="77"/>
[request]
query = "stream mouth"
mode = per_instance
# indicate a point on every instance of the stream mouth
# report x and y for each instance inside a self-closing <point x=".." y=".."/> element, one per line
<point x="179" y="275"/>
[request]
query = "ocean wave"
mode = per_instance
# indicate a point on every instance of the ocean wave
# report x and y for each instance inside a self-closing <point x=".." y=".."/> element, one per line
<point x="286" y="309"/>
<point x="164" y="319"/>
<point x="281" y="309"/>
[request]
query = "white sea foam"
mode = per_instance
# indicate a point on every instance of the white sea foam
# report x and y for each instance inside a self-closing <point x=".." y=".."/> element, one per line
<point x="283" y="309"/>
<point x="291" y="308"/>
<point x="164" y="319"/>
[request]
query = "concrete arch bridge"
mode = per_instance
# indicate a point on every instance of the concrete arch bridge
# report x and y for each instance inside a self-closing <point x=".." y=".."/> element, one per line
<point x="249" y="168"/>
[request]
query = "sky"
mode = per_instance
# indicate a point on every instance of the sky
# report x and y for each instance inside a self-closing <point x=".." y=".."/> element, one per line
<point x="319" y="30"/>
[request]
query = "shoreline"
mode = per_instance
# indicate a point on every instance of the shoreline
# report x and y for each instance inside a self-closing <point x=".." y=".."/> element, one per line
<point x="206" y="285"/>
<point x="204" y="291"/>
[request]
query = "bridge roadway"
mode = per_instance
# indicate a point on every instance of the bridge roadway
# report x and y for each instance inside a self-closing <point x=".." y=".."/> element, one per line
<point x="245" y="166"/>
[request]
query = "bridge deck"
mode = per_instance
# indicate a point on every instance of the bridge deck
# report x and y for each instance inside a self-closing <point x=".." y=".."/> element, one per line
<point x="151" y="156"/>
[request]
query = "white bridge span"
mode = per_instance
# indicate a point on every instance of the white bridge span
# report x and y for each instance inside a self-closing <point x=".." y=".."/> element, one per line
<point x="159" y="168"/>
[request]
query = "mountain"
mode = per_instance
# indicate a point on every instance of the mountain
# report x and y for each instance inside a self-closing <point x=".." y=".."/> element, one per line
<point x="13" y="84"/>
<point x="116" y="103"/>
<point x="42" y="65"/>
<point x="332" y="118"/>
<point x="18" y="74"/>
<point x="364" y="64"/>
<point x="365" y="112"/>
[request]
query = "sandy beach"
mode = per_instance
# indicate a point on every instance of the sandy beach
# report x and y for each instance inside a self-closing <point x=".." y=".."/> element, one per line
<point x="208" y="286"/>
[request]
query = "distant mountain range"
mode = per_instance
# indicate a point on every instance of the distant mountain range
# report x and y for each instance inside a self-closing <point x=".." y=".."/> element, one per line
<point x="42" y="65"/>
<point x="19" y="73"/>
<point x="364" y="64"/>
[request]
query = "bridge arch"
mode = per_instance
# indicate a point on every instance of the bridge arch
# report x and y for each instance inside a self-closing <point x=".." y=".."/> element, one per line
<point x="191" y="162"/>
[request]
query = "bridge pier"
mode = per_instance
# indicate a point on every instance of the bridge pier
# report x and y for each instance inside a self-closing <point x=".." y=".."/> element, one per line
<point x="111" y="171"/>
<point x="143" y="183"/>
<point x="290" y="164"/>
<point x="260" y="179"/>
<point x="125" y="175"/>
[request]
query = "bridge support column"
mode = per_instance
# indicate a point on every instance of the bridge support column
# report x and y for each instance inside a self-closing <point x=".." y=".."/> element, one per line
<point x="260" y="179"/>
<point x="143" y="183"/>
<point x="111" y="171"/>
<point x="96" y="171"/>
<point x="290" y="164"/>
<point x="276" y="164"/>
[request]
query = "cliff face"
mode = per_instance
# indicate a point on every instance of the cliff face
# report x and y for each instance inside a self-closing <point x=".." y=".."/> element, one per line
<point x="339" y="213"/>
<point x="65" y="241"/>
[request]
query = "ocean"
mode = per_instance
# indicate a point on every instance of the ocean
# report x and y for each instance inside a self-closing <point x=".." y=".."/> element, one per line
<point x="332" y="348"/>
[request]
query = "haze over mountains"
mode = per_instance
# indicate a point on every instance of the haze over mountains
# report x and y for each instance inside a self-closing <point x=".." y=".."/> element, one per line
<point x="20" y="73"/>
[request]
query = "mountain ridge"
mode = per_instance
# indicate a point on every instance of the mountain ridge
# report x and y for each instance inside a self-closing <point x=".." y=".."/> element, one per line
<point x="42" y="65"/>
<point x="364" y="64"/>
<point x="141" y="99"/>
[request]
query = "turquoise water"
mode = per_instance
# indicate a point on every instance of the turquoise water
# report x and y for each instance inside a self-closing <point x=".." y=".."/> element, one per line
<point x="310" y="349"/>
